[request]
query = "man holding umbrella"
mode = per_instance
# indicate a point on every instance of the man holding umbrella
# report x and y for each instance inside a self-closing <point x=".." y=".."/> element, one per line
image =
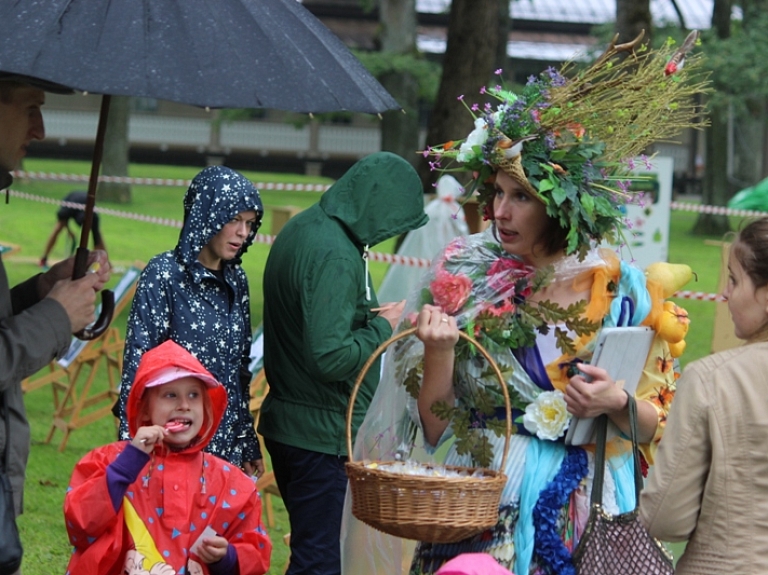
<point x="38" y="316"/>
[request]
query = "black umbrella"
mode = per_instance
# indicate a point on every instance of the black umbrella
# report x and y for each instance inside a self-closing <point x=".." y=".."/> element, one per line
<point x="210" y="53"/>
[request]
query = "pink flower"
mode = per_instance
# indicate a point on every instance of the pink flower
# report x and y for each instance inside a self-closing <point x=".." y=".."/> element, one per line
<point x="506" y="271"/>
<point x="449" y="291"/>
<point x="501" y="308"/>
<point x="453" y="249"/>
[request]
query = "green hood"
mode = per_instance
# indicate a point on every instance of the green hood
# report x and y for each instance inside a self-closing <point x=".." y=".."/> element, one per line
<point x="374" y="200"/>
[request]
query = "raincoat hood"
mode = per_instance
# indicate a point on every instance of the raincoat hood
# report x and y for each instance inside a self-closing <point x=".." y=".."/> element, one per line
<point x="375" y="199"/>
<point x="170" y="354"/>
<point x="215" y="196"/>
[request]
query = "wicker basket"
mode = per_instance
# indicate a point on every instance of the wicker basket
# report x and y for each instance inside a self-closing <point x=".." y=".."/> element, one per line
<point x="434" y="509"/>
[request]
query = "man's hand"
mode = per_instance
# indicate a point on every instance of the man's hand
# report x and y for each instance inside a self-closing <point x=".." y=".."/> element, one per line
<point x="63" y="270"/>
<point x="78" y="298"/>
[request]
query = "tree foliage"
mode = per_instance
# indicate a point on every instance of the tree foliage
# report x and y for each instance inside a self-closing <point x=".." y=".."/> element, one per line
<point x="738" y="64"/>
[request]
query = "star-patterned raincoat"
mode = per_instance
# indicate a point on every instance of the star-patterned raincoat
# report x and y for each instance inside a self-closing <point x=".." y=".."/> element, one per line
<point x="129" y="512"/>
<point x="209" y="315"/>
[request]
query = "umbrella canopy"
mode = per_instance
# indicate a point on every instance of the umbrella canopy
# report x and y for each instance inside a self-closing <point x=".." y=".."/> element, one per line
<point x="218" y="54"/>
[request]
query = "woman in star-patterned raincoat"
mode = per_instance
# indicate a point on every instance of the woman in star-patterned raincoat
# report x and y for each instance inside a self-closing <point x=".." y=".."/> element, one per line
<point x="205" y="310"/>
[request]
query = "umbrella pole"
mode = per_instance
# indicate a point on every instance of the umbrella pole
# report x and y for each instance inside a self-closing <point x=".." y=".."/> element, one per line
<point x="81" y="256"/>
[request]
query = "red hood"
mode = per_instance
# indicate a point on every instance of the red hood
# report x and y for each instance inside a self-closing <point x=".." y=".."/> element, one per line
<point x="171" y="354"/>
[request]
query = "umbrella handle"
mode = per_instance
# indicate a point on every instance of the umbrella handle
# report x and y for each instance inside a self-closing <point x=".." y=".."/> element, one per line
<point x="107" y="301"/>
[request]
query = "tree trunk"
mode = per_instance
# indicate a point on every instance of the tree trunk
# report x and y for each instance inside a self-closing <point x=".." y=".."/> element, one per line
<point x="468" y="65"/>
<point x="400" y="129"/>
<point x="633" y="16"/>
<point x="504" y="23"/>
<point x="715" y="181"/>
<point x="116" y="147"/>
<point x="752" y="10"/>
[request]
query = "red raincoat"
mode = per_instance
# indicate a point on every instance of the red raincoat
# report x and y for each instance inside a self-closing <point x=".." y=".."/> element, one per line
<point x="175" y="497"/>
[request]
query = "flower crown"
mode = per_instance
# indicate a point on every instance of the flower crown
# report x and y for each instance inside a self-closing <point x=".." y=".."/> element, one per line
<point x="571" y="141"/>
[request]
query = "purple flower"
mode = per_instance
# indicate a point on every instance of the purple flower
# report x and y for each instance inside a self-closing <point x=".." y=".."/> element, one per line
<point x="426" y="152"/>
<point x="498" y="72"/>
<point x="647" y="162"/>
<point x="531" y="80"/>
<point x="475" y="107"/>
<point x="434" y="165"/>
<point x="555" y="78"/>
<point x="460" y="98"/>
<point x="630" y="163"/>
<point x="623" y="185"/>
<point x="482" y="90"/>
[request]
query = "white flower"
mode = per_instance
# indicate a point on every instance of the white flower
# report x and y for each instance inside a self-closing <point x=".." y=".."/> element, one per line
<point x="547" y="416"/>
<point x="477" y="137"/>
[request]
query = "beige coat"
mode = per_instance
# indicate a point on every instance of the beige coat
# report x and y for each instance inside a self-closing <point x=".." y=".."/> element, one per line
<point x="710" y="482"/>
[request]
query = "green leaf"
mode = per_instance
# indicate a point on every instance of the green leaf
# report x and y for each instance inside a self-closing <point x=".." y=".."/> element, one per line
<point x="412" y="380"/>
<point x="559" y="195"/>
<point x="546" y="185"/>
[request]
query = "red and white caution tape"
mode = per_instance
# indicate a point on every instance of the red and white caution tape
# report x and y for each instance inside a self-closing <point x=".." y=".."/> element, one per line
<point x="698" y="295"/>
<point x="717" y="210"/>
<point x="48" y="177"/>
<point x="400" y="260"/>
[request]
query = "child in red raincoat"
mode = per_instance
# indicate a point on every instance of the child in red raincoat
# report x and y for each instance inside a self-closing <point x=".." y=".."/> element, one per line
<point x="159" y="505"/>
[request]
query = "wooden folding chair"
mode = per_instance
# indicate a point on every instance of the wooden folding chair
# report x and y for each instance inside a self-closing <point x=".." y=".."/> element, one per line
<point x="78" y="399"/>
<point x="266" y="484"/>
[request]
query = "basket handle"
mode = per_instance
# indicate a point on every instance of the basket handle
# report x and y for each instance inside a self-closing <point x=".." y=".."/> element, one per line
<point x="379" y="350"/>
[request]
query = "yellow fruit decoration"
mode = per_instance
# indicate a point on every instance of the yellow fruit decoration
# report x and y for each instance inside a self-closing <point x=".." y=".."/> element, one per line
<point x="673" y="323"/>
<point x="677" y="349"/>
<point x="670" y="277"/>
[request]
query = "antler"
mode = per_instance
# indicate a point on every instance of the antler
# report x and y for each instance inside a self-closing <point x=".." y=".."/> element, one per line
<point x="614" y="49"/>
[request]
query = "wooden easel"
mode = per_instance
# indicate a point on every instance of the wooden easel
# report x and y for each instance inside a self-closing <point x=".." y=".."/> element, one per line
<point x="78" y="399"/>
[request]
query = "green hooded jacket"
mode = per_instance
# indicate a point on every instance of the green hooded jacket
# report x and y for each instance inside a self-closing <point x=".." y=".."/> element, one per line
<point x="318" y="327"/>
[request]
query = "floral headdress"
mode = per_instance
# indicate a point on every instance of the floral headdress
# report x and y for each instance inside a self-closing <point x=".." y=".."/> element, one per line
<point x="571" y="141"/>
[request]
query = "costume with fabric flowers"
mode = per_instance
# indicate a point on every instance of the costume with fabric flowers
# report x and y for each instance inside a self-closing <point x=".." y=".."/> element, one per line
<point x="566" y="158"/>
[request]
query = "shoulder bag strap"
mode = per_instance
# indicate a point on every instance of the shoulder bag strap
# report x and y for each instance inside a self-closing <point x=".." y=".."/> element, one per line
<point x="602" y="432"/>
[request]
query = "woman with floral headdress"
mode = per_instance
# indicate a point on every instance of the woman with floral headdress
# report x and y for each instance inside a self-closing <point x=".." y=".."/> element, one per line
<point x="533" y="290"/>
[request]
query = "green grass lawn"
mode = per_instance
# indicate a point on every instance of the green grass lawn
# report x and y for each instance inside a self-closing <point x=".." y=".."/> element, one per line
<point x="28" y="223"/>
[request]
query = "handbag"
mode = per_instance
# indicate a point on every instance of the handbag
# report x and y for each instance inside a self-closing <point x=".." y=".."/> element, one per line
<point x="10" y="542"/>
<point x="620" y="544"/>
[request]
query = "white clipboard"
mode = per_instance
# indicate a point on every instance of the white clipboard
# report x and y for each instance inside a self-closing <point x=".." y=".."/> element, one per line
<point x="622" y="352"/>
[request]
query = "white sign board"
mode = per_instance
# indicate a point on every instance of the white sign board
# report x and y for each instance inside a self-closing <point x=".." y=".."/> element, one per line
<point x="646" y="240"/>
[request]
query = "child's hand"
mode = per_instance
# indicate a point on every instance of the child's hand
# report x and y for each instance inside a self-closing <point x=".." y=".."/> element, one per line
<point x="212" y="549"/>
<point x="147" y="437"/>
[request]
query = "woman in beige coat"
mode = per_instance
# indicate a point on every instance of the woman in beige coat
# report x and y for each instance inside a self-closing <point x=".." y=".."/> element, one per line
<point x="710" y="482"/>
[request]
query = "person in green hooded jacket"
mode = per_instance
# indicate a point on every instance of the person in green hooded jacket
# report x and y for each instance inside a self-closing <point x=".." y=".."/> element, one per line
<point x="320" y="327"/>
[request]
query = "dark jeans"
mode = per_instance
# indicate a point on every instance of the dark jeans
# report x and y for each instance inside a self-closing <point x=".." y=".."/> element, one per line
<point x="313" y="486"/>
